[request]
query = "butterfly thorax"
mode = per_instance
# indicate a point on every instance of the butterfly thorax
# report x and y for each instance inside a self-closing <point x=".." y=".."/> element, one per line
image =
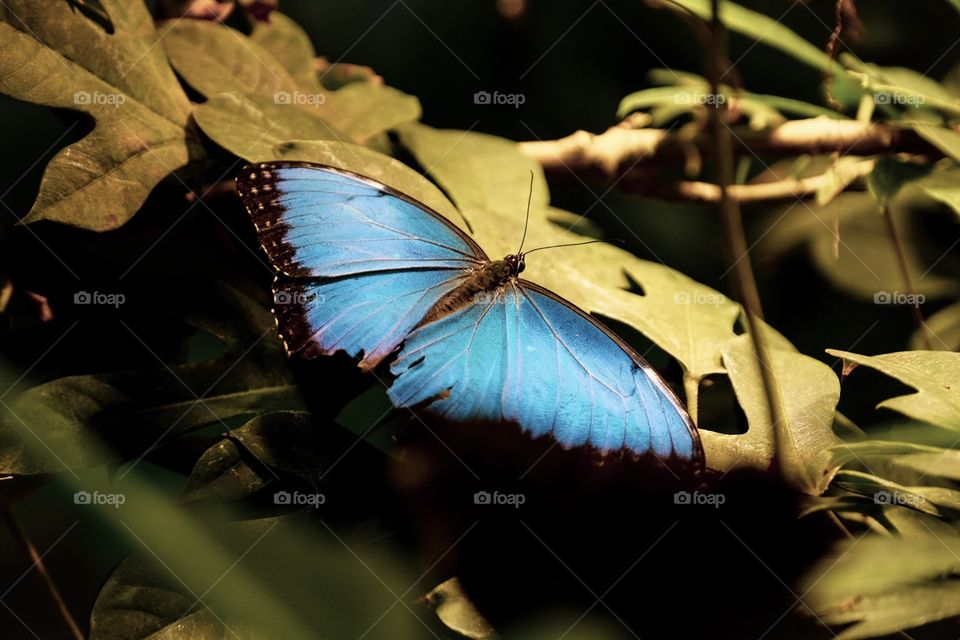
<point x="481" y="283"/>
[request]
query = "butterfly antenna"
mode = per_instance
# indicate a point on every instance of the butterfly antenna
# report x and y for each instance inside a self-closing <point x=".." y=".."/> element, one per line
<point x="574" y="244"/>
<point x="526" y="222"/>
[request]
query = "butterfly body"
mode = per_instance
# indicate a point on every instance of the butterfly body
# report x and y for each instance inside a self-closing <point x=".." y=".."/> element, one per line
<point x="378" y="275"/>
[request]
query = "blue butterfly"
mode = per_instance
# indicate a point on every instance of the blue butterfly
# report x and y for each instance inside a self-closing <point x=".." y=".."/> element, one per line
<point x="368" y="270"/>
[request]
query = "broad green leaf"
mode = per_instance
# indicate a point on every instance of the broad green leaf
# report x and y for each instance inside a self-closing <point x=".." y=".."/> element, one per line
<point x="62" y="58"/>
<point x="944" y="327"/>
<point x="942" y="186"/>
<point x="250" y="127"/>
<point x="269" y="103"/>
<point x="808" y="392"/>
<point x="850" y="245"/>
<point x="947" y="140"/>
<point x="214" y="58"/>
<point x="142" y="599"/>
<point x="944" y="463"/>
<point x="934" y="375"/>
<point x="289" y="45"/>
<point x="760" y="28"/>
<point x="489" y="180"/>
<point x="889" y="176"/>
<point x="139" y="409"/>
<point x="884" y="584"/>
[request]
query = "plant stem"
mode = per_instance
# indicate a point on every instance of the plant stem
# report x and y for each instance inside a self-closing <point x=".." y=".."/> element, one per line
<point x="736" y="237"/>
<point x="907" y="279"/>
<point x="27" y="545"/>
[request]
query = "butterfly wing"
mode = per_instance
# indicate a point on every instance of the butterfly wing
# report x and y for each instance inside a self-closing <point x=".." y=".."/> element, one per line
<point x="360" y="263"/>
<point x="525" y="355"/>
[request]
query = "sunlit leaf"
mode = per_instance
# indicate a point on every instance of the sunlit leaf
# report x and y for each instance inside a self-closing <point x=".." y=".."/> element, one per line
<point x="62" y="58"/>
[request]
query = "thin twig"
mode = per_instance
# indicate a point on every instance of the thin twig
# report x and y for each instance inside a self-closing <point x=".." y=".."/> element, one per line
<point x="41" y="568"/>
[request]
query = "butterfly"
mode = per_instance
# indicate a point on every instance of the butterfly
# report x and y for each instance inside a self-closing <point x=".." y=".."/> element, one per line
<point x="368" y="270"/>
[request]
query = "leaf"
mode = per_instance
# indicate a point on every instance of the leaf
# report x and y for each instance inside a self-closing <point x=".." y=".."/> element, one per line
<point x="289" y="45"/>
<point x="889" y="176"/>
<point x="884" y="584"/>
<point x="62" y="58"/>
<point x="942" y="186"/>
<point x="808" y="391"/>
<point x="143" y="600"/>
<point x="489" y="180"/>
<point x="139" y="409"/>
<point x="760" y="28"/>
<point x="944" y="326"/>
<point x="268" y="103"/>
<point x="947" y="140"/>
<point x="860" y="261"/>
<point x="887" y="493"/>
<point x="934" y="375"/>
<point x="455" y="610"/>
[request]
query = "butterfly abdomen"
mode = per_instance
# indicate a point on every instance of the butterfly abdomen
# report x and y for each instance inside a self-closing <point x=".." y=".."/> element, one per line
<point x="483" y="282"/>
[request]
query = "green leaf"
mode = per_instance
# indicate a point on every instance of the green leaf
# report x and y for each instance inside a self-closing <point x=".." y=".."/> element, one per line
<point x="850" y="245"/>
<point x="887" y="493"/>
<point x="944" y="326"/>
<point x="942" y="186"/>
<point x="760" y="28"/>
<point x="289" y="45"/>
<point x="489" y="180"/>
<point x="934" y="375"/>
<point x="947" y="140"/>
<point x="884" y="584"/>
<point x="141" y="599"/>
<point x="889" y="176"/>
<point x="140" y="409"/>
<point x="840" y="175"/>
<point x="62" y="58"/>
<point x="808" y="391"/>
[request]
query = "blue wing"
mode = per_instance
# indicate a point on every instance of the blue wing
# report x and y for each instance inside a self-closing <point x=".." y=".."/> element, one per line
<point x="321" y="222"/>
<point x="524" y="355"/>
<point x="361" y="263"/>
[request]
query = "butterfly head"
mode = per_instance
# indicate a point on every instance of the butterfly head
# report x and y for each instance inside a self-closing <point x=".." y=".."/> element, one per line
<point x="516" y="262"/>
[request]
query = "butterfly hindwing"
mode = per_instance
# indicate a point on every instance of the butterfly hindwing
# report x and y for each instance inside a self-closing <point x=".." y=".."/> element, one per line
<point x="526" y="356"/>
